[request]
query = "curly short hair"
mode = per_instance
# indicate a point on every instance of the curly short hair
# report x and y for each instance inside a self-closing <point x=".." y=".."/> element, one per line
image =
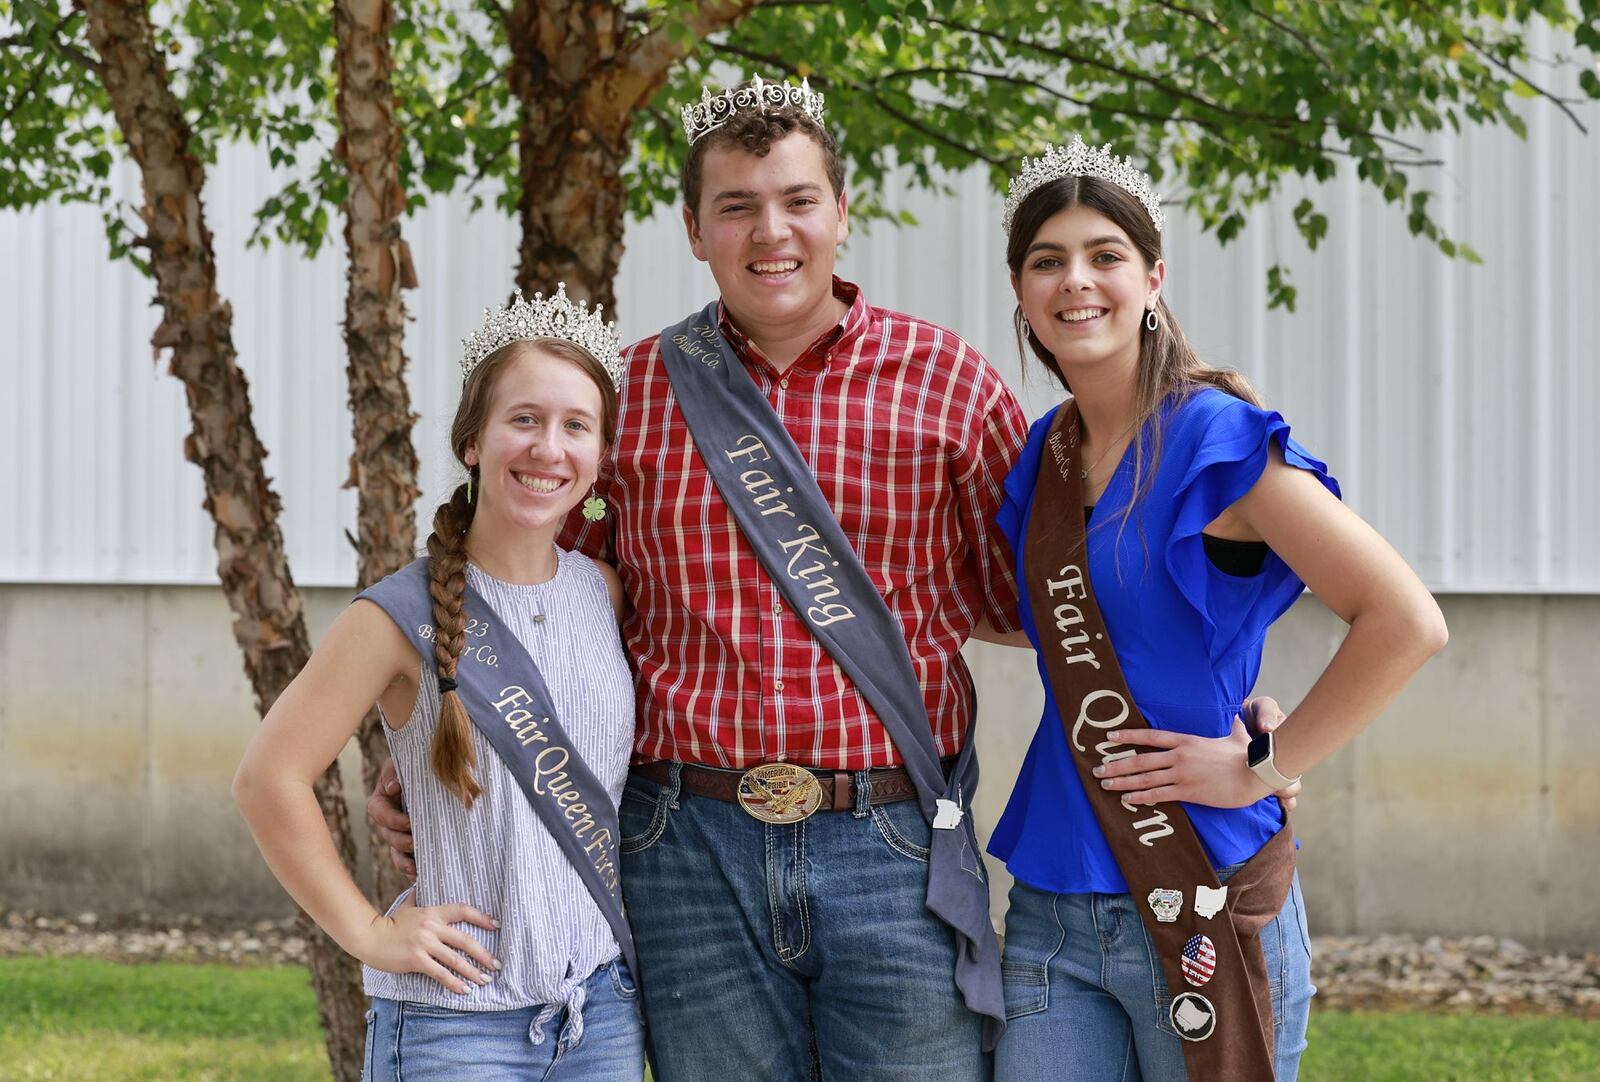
<point x="757" y="132"/>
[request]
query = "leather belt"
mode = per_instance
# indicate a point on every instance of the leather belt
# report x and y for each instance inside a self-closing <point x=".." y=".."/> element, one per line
<point x="887" y="784"/>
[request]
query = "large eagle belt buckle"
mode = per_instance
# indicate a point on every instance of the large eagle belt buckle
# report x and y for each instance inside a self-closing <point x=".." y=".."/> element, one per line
<point x="779" y="792"/>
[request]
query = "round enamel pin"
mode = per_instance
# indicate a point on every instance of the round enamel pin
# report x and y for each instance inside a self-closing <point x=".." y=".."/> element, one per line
<point x="1199" y="960"/>
<point x="1193" y="1016"/>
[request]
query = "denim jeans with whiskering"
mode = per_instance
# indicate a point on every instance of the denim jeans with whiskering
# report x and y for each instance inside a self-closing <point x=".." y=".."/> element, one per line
<point x="787" y="953"/>
<point x="1086" y="1000"/>
<point x="417" y="1042"/>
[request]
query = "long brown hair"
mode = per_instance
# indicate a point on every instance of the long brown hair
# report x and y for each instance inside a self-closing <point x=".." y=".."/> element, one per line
<point x="1169" y="369"/>
<point x="451" y="752"/>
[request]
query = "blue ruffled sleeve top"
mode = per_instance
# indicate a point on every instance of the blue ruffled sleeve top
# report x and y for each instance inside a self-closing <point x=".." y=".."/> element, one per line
<point x="1188" y="636"/>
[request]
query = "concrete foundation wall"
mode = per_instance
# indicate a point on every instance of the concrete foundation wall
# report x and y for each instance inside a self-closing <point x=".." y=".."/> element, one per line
<point x="1472" y="806"/>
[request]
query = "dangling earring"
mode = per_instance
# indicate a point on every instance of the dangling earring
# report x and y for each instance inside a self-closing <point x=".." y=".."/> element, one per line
<point x="594" y="508"/>
<point x="1150" y="320"/>
<point x="469" y="485"/>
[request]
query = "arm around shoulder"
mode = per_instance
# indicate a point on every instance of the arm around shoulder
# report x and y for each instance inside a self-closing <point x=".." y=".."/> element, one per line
<point x="613" y="581"/>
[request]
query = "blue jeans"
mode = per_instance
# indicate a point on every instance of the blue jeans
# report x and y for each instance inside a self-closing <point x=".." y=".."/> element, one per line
<point x="1086" y="1000"/>
<point x="787" y="953"/>
<point x="415" y="1042"/>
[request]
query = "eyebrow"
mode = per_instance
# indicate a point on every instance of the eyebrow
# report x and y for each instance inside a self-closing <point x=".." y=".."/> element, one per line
<point x="1097" y="242"/>
<point x="525" y="407"/>
<point x="793" y="189"/>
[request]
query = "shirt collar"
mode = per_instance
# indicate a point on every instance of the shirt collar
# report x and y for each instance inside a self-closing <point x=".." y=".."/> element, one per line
<point x="852" y="326"/>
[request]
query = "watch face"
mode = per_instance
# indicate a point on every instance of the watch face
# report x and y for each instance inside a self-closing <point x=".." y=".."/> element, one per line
<point x="1259" y="751"/>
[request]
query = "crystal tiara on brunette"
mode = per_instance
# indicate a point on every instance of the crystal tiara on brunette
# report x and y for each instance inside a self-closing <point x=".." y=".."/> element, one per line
<point x="714" y="110"/>
<point x="545" y="317"/>
<point x="1077" y="159"/>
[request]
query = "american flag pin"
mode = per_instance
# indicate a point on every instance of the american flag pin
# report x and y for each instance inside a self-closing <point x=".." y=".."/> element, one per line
<point x="1199" y="960"/>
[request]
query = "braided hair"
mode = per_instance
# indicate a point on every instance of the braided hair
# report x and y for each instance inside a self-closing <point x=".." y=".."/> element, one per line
<point x="451" y="753"/>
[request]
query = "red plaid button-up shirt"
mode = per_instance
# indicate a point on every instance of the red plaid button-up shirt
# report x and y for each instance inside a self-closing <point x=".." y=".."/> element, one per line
<point x="910" y="434"/>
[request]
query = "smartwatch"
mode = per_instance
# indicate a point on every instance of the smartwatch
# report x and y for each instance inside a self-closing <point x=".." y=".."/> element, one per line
<point x="1259" y="758"/>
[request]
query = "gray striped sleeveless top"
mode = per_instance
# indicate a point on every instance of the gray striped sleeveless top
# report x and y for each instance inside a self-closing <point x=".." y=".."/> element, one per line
<point x="499" y="857"/>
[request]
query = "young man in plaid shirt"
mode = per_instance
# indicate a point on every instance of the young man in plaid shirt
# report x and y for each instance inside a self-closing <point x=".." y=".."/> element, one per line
<point x="766" y="944"/>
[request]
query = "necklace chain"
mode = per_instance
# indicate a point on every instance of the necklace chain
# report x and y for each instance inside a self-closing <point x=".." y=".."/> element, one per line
<point x="1084" y="471"/>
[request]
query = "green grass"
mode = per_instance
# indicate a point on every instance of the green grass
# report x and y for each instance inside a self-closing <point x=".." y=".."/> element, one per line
<point x="89" y="1021"/>
<point x="82" y="1019"/>
<point x="1405" y="1047"/>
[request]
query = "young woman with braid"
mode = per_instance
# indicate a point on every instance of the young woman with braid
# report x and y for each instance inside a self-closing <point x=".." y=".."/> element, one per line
<point x="508" y="959"/>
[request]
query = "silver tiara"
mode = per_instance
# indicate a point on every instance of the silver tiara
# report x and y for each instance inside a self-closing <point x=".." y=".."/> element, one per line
<point x="1076" y="159"/>
<point x="552" y="317"/>
<point x="715" y="110"/>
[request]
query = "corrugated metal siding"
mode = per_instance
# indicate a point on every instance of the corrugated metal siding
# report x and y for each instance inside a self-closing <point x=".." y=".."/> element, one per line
<point x="1456" y="403"/>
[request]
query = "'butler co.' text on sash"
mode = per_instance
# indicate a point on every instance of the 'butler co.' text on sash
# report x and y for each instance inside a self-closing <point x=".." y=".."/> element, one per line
<point x="507" y="700"/>
<point x="1221" y="1006"/>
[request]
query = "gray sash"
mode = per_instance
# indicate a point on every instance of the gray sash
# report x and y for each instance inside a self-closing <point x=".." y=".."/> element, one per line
<point x="506" y="698"/>
<point x="773" y="496"/>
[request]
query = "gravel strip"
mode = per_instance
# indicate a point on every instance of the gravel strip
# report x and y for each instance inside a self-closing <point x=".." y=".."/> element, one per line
<point x="1474" y="974"/>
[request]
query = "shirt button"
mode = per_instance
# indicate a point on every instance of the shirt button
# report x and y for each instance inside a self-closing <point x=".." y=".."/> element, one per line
<point x="784" y="383"/>
<point x="777" y="685"/>
<point x="777" y="607"/>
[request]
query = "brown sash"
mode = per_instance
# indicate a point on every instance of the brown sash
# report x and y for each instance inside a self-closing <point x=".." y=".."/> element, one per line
<point x="1221" y="1002"/>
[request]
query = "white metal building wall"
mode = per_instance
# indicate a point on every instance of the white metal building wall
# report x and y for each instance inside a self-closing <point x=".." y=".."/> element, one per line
<point x="1456" y="403"/>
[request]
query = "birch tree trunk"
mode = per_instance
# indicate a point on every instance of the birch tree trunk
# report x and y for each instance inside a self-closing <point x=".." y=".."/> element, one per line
<point x="383" y="462"/>
<point x="579" y="77"/>
<point x="196" y="325"/>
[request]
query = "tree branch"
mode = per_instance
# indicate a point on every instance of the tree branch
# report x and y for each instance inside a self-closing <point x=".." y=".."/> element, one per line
<point x="1304" y="41"/>
<point x="825" y="83"/>
<point x="52" y="38"/>
<point x="1160" y="87"/>
<point x="1559" y="102"/>
<point x="1483" y="50"/>
<point x="643" y="66"/>
<point x="24" y="94"/>
<point x="1217" y="130"/>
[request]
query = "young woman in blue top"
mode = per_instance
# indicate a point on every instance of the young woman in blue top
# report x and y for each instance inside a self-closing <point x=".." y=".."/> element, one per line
<point x="1205" y="521"/>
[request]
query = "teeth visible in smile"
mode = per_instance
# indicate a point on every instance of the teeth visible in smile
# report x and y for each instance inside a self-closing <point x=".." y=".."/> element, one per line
<point x="781" y="267"/>
<point x="539" y="484"/>
<point x="1078" y="315"/>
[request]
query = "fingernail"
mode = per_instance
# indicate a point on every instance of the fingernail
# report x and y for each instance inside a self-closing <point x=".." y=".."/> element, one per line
<point x="392" y="787"/>
<point x="497" y="964"/>
<point x="1099" y="772"/>
<point x="1106" y="784"/>
<point x="1114" y="735"/>
<point x="494" y="922"/>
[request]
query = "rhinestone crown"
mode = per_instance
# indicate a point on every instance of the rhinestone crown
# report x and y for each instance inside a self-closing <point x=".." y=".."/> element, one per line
<point x="1077" y="159"/>
<point x="714" y="110"/>
<point x="545" y="317"/>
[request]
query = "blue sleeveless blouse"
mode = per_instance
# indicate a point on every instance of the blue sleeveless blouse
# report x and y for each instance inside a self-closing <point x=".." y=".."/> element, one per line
<point x="1188" y="636"/>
